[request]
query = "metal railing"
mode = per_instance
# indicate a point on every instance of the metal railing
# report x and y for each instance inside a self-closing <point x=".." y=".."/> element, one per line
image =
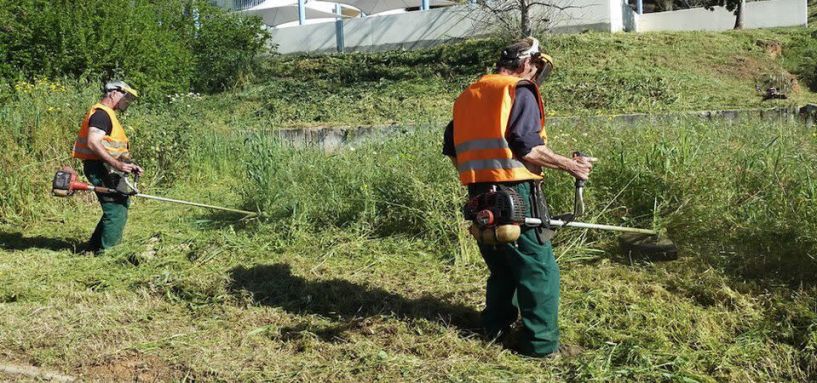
<point x="237" y="5"/>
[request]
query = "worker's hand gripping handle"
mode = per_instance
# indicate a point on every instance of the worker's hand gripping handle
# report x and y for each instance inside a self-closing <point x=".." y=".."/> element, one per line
<point x="578" y="197"/>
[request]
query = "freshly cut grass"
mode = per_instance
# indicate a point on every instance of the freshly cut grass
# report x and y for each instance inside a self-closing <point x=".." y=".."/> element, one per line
<point x="236" y="303"/>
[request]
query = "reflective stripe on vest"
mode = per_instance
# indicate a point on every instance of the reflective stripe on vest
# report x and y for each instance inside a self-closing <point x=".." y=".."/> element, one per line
<point x="489" y="164"/>
<point x="488" y="143"/>
<point x="115" y="143"/>
<point x="83" y="150"/>
<point x="481" y="116"/>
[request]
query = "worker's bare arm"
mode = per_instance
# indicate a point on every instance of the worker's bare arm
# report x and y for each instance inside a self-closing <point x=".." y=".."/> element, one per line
<point x="95" y="136"/>
<point x="578" y="167"/>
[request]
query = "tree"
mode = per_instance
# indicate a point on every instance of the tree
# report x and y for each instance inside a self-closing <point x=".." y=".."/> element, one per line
<point x="735" y="6"/>
<point x="522" y="17"/>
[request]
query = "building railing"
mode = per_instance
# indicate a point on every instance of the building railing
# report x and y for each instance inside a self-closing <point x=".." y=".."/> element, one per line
<point x="237" y="5"/>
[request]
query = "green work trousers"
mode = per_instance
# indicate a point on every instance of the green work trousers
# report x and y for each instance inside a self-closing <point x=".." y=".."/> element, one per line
<point x="108" y="232"/>
<point x="528" y="270"/>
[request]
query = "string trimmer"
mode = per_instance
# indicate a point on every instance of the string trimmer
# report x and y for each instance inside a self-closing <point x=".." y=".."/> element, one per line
<point x="499" y="215"/>
<point x="65" y="184"/>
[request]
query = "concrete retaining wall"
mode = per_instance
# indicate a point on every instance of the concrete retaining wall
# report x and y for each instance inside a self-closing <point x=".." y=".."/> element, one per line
<point x="759" y="14"/>
<point x="331" y="139"/>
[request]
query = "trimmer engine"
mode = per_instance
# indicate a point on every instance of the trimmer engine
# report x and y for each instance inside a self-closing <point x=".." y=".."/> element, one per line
<point x="496" y="215"/>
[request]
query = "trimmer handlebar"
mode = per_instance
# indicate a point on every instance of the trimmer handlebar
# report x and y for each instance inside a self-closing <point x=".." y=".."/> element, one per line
<point x="578" y="196"/>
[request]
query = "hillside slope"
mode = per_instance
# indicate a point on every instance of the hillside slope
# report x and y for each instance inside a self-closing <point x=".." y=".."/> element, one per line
<point x="596" y="74"/>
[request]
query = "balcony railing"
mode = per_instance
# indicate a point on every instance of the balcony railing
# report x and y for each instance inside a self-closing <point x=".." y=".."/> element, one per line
<point x="237" y="5"/>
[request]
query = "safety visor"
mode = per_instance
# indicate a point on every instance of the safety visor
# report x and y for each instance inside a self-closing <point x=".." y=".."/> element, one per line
<point x="132" y="93"/>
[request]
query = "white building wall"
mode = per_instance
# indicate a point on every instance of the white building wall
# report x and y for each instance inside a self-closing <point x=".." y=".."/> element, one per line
<point x="776" y="13"/>
<point x="426" y="28"/>
<point x="759" y="14"/>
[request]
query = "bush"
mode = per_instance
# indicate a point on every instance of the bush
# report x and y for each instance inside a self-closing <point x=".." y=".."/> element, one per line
<point x="154" y="45"/>
<point x="224" y="49"/>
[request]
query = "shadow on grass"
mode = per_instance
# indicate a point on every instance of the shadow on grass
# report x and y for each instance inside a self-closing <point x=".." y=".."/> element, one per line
<point x="276" y="286"/>
<point x="16" y="241"/>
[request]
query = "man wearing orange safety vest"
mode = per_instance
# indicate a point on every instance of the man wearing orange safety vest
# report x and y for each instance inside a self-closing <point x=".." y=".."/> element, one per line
<point x="103" y="148"/>
<point x="498" y="138"/>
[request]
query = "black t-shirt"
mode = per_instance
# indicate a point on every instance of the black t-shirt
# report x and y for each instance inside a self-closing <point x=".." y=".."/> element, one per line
<point x="523" y="125"/>
<point x="101" y="121"/>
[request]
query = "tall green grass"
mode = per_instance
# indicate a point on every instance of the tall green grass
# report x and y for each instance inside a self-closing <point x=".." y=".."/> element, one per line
<point x="396" y="187"/>
<point x="39" y="121"/>
<point x="744" y="188"/>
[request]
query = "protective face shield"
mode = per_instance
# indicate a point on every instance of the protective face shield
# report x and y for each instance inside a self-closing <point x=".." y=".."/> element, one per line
<point x="544" y="66"/>
<point x="124" y="102"/>
<point x="542" y="62"/>
<point x="128" y="93"/>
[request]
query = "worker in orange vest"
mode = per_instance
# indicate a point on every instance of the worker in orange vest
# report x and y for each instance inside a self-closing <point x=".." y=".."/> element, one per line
<point x="103" y="147"/>
<point x="497" y="137"/>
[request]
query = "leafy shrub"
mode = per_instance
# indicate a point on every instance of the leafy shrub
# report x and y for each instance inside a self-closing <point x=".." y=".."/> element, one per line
<point x="154" y="45"/>
<point x="224" y="49"/>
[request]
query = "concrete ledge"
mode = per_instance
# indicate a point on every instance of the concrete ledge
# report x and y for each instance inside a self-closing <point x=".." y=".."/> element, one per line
<point x="333" y="138"/>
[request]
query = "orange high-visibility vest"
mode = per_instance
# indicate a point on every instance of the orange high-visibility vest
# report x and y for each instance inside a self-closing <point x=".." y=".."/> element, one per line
<point x="481" y="116"/>
<point x="115" y="143"/>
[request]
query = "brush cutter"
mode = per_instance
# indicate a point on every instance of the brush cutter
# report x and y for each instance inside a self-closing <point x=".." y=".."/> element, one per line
<point x="499" y="215"/>
<point x="65" y="184"/>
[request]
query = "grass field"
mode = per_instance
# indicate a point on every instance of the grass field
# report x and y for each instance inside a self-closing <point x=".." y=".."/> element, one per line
<point x="195" y="295"/>
<point x="360" y="269"/>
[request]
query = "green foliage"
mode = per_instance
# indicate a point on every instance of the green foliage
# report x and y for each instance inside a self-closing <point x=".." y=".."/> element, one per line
<point x="748" y="185"/>
<point x="33" y="119"/>
<point x="801" y="58"/>
<point x="160" y="142"/>
<point x="154" y="45"/>
<point x="812" y="11"/>
<point x="731" y="5"/>
<point x="224" y="49"/>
